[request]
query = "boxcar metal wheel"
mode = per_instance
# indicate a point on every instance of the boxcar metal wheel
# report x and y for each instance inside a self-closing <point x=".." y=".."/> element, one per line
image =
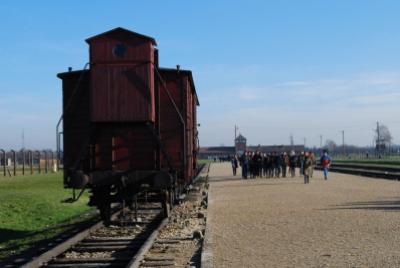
<point x="105" y="213"/>
<point x="101" y="199"/>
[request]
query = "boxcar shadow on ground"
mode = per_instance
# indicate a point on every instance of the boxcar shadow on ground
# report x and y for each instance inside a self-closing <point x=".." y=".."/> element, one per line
<point x="8" y="234"/>
<point x="388" y="205"/>
<point x="15" y="240"/>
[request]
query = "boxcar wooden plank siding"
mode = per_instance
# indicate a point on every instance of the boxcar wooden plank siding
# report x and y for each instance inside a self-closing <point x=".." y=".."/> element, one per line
<point x="122" y="77"/>
<point x="122" y="93"/>
<point x="170" y="125"/>
<point x="172" y="131"/>
<point x="135" y="148"/>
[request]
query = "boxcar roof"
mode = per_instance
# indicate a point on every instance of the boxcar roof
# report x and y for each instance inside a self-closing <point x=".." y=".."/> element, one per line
<point x="169" y="70"/>
<point x="186" y="72"/>
<point x="70" y="73"/>
<point x="123" y="30"/>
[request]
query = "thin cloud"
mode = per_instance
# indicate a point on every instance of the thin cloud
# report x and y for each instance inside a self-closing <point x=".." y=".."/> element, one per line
<point x="269" y="113"/>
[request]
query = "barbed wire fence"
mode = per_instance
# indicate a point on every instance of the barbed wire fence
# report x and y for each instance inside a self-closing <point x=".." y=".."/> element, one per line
<point x="28" y="162"/>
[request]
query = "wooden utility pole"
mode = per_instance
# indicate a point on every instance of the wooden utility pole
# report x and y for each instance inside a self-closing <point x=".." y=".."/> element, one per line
<point x="344" y="152"/>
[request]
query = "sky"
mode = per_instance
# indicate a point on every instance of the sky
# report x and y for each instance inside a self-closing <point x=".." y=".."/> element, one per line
<point x="274" y="68"/>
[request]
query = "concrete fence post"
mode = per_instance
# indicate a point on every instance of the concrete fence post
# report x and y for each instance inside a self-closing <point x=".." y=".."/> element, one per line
<point x="23" y="161"/>
<point x="4" y="163"/>
<point x="30" y="161"/>
<point x="39" y="168"/>
<point x="14" y="160"/>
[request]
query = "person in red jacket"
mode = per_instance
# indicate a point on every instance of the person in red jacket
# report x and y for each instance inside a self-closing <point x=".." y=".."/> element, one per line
<point x="325" y="163"/>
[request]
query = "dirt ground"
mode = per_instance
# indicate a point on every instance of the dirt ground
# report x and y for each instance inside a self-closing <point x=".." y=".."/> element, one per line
<point x="347" y="221"/>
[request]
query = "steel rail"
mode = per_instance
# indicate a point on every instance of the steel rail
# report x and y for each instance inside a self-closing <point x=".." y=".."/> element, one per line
<point x="64" y="246"/>
<point x="365" y="172"/>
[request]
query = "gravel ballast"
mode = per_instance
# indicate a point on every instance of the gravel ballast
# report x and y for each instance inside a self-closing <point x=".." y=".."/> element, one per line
<point x="347" y="221"/>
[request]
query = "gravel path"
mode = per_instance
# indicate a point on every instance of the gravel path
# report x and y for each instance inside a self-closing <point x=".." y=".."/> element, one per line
<point x="347" y="221"/>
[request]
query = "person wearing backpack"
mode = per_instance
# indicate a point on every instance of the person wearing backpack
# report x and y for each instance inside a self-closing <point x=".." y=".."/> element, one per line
<point x="325" y="163"/>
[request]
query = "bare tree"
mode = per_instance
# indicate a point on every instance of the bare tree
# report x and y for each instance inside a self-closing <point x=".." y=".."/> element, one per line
<point x="330" y="145"/>
<point x="383" y="137"/>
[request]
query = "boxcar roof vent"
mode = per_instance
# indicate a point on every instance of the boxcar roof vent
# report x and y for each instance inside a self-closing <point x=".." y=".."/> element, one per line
<point x="69" y="69"/>
<point x="118" y="31"/>
<point x="178" y="67"/>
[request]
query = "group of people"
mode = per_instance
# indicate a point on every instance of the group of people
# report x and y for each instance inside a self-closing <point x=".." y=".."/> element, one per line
<point x="276" y="165"/>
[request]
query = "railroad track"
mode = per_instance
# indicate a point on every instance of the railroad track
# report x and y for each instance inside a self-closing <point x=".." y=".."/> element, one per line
<point x="131" y="240"/>
<point x="116" y="245"/>
<point x="367" y="171"/>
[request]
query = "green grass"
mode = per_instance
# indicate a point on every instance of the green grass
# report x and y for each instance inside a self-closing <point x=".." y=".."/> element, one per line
<point x="374" y="162"/>
<point x="31" y="210"/>
<point x="204" y="161"/>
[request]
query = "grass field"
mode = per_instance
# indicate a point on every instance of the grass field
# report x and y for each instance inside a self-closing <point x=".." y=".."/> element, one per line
<point x="204" y="161"/>
<point x="31" y="210"/>
<point x="369" y="162"/>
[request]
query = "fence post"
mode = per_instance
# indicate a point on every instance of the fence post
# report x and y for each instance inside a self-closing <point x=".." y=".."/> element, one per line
<point x="14" y="156"/>
<point x="45" y="162"/>
<point x="39" y="169"/>
<point x="23" y="161"/>
<point x="4" y="163"/>
<point x="52" y="160"/>
<point x="30" y="159"/>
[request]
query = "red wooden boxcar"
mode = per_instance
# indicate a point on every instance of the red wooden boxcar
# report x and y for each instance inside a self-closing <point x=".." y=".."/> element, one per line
<point x="179" y="138"/>
<point x="128" y="123"/>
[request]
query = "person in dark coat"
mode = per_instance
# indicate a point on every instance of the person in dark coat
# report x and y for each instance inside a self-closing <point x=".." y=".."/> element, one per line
<point x="234" y="162"/>
<point x="258" y="163"/>
<point x="264" y="165"/>
<point x="301" y="163"/>
<point x="244" y="160"/>
<point x="285" y="163"/>
<point x="271" y="165"/>
<point x="254" y="165"/>
<point x="278" y="165"/>
<point x="292" y="163"/>
<point x="251" y="165"/>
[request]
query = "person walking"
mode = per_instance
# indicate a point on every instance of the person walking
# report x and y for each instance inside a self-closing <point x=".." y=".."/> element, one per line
<point x="244" y="160"/>
<point x="278" y="165"/>
<point x="273" y="164"/>
<point x="234" y="162"/>
<point x="256" y="164"/>
<point x="259" y="164"/>
<point x="325" y="163"/>
<point x="285" y="163"/>
<point x="292" y="164"/>
<point x="313" y="163"/>
<point x="300" y="163"/>
<point x="269" y="166"/>
<point x="307" y="163"/>
<point x="265" y="165"/>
